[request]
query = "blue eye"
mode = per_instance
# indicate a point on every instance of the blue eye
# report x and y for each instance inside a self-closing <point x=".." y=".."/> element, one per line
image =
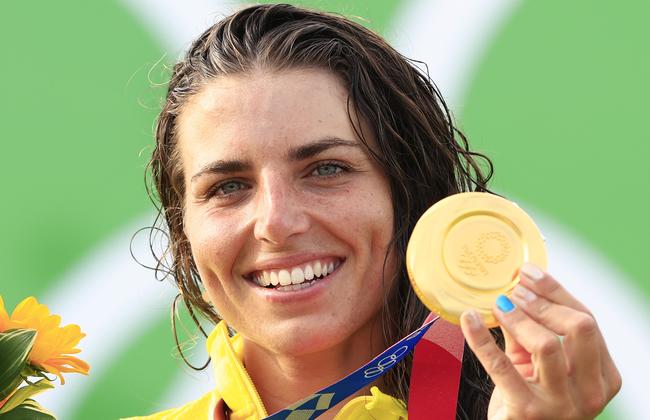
<point x="227" y="188"/>
<point x="328" y="169"/>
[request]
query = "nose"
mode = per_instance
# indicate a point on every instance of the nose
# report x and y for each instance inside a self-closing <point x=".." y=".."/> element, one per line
<point x="280" y="213"/>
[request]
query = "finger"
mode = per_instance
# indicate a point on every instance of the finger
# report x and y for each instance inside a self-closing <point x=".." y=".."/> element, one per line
<point x="518" y="355"/>
<point x="610" y="371"/>
<point x="545" y="285"/>
<point x="543" y="345"/>
<point x="562" y="320"/>
<point x="582" y="343"/>
<point x="496" y="363"/>
<point x="613" y="380"/>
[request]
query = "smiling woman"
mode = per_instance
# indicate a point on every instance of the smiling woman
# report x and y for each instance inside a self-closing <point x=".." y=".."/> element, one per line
<point x="295" y="152"/>
<point x="279" y="185"/>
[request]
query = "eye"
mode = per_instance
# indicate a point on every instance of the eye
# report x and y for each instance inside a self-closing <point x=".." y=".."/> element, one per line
<point x="328" y="169"/>
<point x="226" y="189"/>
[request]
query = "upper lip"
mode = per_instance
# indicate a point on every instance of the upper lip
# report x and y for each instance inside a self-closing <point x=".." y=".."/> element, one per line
<point x="289" y="261"/>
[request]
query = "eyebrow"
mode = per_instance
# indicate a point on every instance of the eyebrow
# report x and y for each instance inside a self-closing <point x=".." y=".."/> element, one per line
<point x="222" y="167"/>
<point x="312" y="149"/>
<point x="303" y="152"/>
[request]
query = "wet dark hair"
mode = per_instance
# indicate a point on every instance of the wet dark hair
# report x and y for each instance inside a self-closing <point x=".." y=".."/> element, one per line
<point x="424" y="156"/>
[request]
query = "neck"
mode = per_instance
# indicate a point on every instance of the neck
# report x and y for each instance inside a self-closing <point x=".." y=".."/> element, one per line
<point x="283" y="379"/>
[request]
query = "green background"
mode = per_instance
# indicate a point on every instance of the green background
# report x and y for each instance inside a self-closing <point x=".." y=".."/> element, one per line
<point x="558" y="101"/>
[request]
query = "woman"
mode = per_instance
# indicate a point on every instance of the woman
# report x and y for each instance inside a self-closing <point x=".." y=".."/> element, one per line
<point x="295" y="152"/>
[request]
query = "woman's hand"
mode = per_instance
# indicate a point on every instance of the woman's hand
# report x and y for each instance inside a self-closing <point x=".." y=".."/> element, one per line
<point x="556" y="364"/>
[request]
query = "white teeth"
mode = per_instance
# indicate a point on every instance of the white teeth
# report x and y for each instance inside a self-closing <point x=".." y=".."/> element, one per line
<point x="274" y="278"/>
<point x="285" y="278"/>
<point x="293" y="287"/>
<point x="309" y="272"/>
<point x="297" y="276"/>
<point x="317" y="269"/>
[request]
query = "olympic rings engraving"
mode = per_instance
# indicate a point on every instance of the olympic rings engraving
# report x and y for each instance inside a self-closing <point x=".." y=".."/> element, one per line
<point x="385" y="363"/>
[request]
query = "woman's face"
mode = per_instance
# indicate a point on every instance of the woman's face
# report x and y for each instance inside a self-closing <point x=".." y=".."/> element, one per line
<point x="280" y="190"/>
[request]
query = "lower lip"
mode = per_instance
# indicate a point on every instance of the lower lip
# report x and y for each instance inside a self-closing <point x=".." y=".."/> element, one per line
<point x="308" y="293"/>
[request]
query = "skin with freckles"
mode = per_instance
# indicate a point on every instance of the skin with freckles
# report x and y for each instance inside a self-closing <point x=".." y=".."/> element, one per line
<point x="275" y="177"/>
<point x="274" y="180"/>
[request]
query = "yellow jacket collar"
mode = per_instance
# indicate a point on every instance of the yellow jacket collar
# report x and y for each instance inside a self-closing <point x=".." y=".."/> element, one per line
<point x="233" y="383"/>
<point x="236" y="388"/>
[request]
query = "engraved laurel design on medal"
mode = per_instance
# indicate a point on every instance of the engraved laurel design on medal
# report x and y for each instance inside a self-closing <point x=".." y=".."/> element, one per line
<point x="489" y="248"/>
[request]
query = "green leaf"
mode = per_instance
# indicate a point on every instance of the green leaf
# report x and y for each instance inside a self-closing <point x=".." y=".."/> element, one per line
<point x="29" y="410"/>
<point x="24" y="393"/>
<point x="15" y="346"/>
<point x="30" y="370"/>
<point x="35" y="371"/>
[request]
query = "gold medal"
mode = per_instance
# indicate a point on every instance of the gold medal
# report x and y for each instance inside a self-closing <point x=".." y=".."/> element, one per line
<point x="466" y="250"/>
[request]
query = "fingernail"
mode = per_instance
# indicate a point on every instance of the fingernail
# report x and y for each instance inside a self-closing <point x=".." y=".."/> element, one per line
<point x="474" y="319"/>
<point x="504" y="304"/>
<point x="524" y="293"/>
<point x="532" y="271"/>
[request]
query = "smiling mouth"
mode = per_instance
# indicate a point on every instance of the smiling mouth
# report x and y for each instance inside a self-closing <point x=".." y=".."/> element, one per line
<point x="295" y="278"/>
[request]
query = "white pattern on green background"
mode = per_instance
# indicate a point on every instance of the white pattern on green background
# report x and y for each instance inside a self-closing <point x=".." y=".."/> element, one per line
<point x="73" y="171"/>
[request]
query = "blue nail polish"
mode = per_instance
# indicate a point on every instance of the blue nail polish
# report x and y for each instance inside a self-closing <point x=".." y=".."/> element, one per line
<point x="504" y="304"/>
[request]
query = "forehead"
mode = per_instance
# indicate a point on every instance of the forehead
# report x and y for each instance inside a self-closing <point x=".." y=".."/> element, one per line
<point x="262" y="111"/>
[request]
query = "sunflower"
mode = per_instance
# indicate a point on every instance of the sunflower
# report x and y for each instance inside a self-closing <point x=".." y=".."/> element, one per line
<point x="4" y="318"/>
<point x="54" y="344"/>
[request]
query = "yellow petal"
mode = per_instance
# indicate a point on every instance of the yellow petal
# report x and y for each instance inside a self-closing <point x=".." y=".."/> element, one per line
<point x="41" y="350"/>
<point x="4" y="317"/>
<point x="71" y="364"/>
<point x="57" y="342"/>
<point x="53" y="370"/>
<point x="71" y="335"/>
<point x="50" y="322"/>
<point x="54" y="344"/>
<point x="29" y="308"/>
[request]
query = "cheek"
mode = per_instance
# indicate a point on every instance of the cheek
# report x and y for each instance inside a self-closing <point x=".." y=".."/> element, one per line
<point x="378" y="214"/>
<point x="214" y="247"/>
<point x="214" y="257"/>
<point x="380" y="227"/>
<point x="368" y="224"/>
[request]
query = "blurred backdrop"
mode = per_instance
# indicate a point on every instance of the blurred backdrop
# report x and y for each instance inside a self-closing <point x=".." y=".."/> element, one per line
<point x="555" y="92"/>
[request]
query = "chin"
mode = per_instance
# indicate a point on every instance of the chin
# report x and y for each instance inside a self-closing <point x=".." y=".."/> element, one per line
<point x="308" y="336"/>
<point x="301" y="338"/>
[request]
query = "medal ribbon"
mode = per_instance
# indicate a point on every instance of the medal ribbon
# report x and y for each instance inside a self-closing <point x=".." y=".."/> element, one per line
<point x="432" y="391"/>
<point x="435" y="375"/>
<point x="320" y="401"/>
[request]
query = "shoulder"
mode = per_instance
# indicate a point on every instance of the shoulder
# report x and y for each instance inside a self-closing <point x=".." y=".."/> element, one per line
<point x="193" y="410"/>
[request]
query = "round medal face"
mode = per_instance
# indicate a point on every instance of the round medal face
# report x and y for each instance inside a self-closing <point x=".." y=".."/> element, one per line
<point x="466" y="250"/>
